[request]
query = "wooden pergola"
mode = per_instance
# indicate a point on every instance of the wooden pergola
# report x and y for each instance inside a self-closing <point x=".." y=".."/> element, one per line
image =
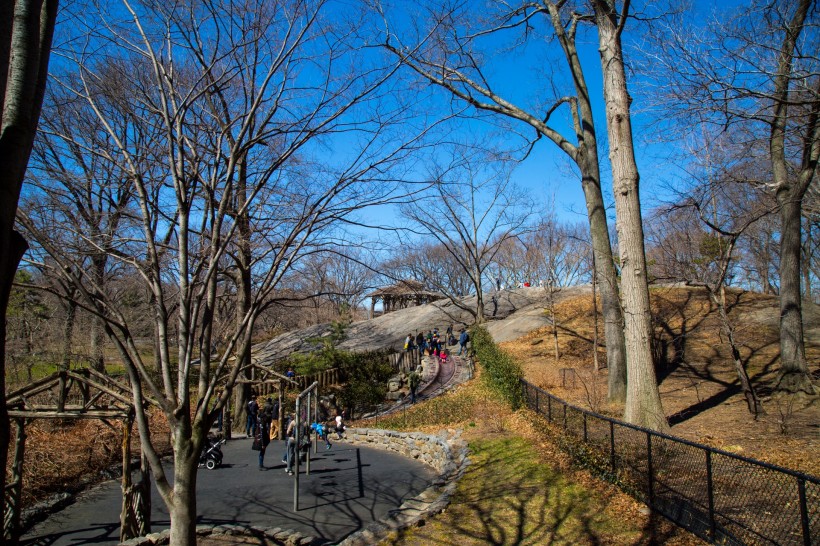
<point x="401" y="295"/>
<point x="79" y="394"/>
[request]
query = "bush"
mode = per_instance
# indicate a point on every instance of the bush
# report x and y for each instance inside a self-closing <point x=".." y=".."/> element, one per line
<point x="501" y="371"/>
<point x="367" y="376"/>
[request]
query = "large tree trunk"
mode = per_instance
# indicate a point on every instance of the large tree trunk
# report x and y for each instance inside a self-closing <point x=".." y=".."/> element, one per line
<point x="607" y="279"/>
<point x="182" y="507"/>
<point x="643" y="402"/>
<point x="588" y="163"/>
<point x="794" y="374"/>
<point x="794" y="371"/>
<point x="26" y="30"/>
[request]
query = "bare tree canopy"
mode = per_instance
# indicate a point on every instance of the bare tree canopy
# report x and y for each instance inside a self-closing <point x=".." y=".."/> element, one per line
<point x="451" y="47"/>
<point x="470" y="210"/>
<point x="755" y="72"/>
<point x="193" y="143"/>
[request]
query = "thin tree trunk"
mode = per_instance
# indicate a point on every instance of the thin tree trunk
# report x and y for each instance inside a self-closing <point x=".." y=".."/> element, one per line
<point x="643" y="402"/>
<point x="752" y="400"/>
<point x="68" y="333"/>
<point x="244" y="295"/>
<point x="595" y="362"/>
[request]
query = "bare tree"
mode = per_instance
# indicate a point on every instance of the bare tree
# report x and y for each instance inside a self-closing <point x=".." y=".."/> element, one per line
<point x="26" y="30"/>
<point x="471" y="209"/>
<point x="695" y="240"/>
<point x="559" y="253"/>
<point x="643" y="402"/>
<point x="231" y="104"/>
<point x="761" y="82"/>
<point x="450" y="53"/>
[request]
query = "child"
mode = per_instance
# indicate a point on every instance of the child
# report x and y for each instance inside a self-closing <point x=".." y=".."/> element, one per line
<point x="320" y="431"/>
<point x="442" y="356"/>
<point x="340" y="427"/>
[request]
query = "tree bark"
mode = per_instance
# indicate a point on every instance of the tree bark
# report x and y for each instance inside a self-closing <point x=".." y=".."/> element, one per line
<point x="643" y="403"/>
<point x="26" y="31"/>
<point x="794" y="374"/>
<point x="589" y="164"/>
<point x="752" y="400"/>
<point x="182" y="505"/>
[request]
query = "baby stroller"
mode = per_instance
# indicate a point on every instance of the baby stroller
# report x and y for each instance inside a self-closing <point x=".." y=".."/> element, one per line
<point x="211" y="455"/>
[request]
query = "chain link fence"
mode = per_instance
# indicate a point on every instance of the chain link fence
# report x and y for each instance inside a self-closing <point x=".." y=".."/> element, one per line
<point x="718" y="496"/>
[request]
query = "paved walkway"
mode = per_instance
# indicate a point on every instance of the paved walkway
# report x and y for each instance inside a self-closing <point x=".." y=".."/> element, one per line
<point x="348" y="487"/>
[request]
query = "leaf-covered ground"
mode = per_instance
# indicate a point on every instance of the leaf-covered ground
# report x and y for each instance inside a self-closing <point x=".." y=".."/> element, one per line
<point x="698" y="382"/>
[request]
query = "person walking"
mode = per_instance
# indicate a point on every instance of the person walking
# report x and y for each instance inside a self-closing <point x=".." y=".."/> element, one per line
<point x="274" y="421"/>
<point x="494" y="301"/>
<point x="340" y="426"/>
<point x="263" y="431"/>
<point x="462" y="341"/>
<point x="420" y="343"/>
<point x="289" y="457"/>
<point x="414" y="380"/>
<point x="253" y="414"/>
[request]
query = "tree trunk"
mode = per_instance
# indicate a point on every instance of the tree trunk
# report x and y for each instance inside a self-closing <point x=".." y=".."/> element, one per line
<point x="589" y="165"/>
<point x="596" y="364"/>
<point x="12" y="248"/>
<point x="794" y="374"/>
<point x="794" y="371"/>
<point x="182" y="507"/>
<point x="643" y="402"/>
<point x="752" y="400"/>
<point x="26" y="30"/>
<point x="244" y="294"/>
<point x="68" y="332"/>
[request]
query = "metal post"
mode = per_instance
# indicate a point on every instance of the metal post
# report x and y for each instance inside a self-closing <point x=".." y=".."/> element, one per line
<point x="295" y="464"/>
<point x="710" y="491"/>
<point x="804" y="511"/>
<point x="537" y="402"/>
<point x="585" y="428"/>
<point x="297" y="438"/>
<point x="650" y="484"/>
<point x="612" y="446"/>
<point x="549" y="409"/>
<point x="307" y="414"/>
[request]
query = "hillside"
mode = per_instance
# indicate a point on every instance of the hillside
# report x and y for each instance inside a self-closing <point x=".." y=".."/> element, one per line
<point x="699" y="386"/>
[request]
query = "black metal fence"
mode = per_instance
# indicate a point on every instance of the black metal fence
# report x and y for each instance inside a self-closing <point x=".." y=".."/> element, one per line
<point x="721" y="497"/>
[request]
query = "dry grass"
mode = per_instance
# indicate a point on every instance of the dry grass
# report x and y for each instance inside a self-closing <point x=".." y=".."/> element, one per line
<point x="698" y="381"/>
<point x="63" y="455"/>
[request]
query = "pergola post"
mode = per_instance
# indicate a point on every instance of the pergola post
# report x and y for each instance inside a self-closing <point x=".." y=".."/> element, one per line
<point x="135" y="517"/>
<point x="14" y="488"/>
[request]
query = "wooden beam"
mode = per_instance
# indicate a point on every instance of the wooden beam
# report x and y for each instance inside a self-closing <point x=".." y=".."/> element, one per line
<point x="51" y="414"/>
<point x="35" y="388"/>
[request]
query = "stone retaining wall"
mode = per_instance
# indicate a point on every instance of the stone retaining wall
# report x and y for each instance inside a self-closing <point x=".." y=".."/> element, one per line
<point x="445" y="452"/>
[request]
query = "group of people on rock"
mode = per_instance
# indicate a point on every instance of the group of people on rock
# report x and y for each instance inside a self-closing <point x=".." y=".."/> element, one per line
<point x="431" y="343"/>
<point x="263" y="426"/>
<point x="434" y="343"/>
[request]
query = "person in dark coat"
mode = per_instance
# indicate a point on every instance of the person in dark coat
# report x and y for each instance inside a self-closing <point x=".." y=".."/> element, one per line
<point x="263" y="430"/>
